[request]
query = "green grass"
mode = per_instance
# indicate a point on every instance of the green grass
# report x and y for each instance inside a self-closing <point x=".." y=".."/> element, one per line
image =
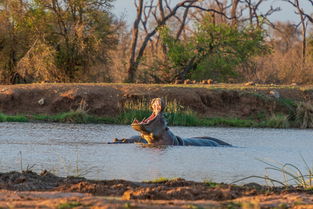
<point x="69" y="205"/>
<point x="211" y="184"/>
<point x="276" y="121"/>
<point x="16" y="118"/>
<point x="185" y="118"/>
<point x="72" y="117"/>
<point x="291" y="174"/>
<point x="160" y="180"/>
<point x="191" y="206"/>
<point x="176" y="115"/>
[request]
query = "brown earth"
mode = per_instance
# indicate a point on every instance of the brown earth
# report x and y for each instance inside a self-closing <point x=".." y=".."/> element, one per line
<point x="108" y="99"/>
<point x="30" y="190"/>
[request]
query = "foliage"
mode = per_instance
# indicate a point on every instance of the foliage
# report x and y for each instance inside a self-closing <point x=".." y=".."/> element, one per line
<point x="290" y="104"/>
<point x="14" y="38"/>
<point x="304" y="115"/>
<point x="38" y="64"/>
<point x="278" y="121"/>
<point x="54" y="40"/>
<point x="213" y="50"/>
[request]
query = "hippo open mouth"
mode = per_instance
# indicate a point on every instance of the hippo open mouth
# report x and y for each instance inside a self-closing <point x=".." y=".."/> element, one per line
<point x="140" y="126"/>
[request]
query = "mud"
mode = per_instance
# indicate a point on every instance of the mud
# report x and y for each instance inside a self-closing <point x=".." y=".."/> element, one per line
<point x="28" y="189"/>
<point x="108" y="99"/>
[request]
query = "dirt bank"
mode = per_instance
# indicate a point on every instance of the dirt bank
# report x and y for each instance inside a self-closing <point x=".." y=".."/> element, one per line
<point x="49" y="191"/>
<point x="218" y="100"/>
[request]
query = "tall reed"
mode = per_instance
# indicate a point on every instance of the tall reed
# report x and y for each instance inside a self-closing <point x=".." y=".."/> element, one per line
<point x="304" y="115"/>
<point x="291" y="174"/>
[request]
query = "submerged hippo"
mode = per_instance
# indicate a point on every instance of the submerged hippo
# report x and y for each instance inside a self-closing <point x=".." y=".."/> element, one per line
<point x="154" y="130"/>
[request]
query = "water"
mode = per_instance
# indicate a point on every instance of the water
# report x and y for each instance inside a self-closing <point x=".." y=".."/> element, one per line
<point x="71" y="149"/>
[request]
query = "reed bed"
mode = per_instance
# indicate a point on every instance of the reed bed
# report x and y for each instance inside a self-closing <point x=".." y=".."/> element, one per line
<point x="176" y="115"/>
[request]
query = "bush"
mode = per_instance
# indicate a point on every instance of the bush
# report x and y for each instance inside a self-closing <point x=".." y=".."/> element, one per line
<point x="278" y="121"/>
<point x="304" y="115"/>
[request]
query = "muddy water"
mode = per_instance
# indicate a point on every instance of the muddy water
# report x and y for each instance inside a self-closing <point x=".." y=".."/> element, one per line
<point x="68" y="149"/>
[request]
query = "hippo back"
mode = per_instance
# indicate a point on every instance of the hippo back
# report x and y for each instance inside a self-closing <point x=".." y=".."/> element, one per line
<point x="203" y="141"/>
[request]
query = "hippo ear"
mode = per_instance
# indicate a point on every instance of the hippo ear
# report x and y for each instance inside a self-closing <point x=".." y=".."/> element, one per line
<point x="163" y="105"/>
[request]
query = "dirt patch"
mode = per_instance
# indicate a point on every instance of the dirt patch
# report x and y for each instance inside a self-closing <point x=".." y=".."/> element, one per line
<point x="28" y="189"/>
<point x="108" y="99"/>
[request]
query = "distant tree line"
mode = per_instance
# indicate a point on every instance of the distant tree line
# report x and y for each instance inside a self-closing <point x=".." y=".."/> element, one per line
<point x="82" y="41"/>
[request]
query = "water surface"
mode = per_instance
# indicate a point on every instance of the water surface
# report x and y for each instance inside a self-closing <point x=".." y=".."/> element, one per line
<point x="73" y="149"/>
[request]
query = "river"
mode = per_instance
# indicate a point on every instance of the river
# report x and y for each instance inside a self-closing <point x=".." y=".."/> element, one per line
<point x="79" y="149"/>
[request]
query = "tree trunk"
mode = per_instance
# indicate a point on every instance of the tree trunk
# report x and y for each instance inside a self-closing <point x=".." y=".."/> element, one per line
<point x="302" y="18"/>
<point x="233" y="13"/>
<point x="135" y="31"/>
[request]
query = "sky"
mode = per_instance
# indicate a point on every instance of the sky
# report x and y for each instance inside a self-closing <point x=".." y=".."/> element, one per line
<point x="287" y="13"/>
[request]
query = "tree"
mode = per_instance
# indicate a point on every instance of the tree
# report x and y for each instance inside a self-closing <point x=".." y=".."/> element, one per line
<point x="213" y="51"/>
<point x="14" y="39"/>
<point x="56" y="40"/>
<point x="81" y="33"/>
<point x="303" y="21"/>
<point x="161" y="18"/>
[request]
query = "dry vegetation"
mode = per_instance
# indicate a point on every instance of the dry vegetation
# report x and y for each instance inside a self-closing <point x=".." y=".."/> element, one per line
<point x="82" y="41"/>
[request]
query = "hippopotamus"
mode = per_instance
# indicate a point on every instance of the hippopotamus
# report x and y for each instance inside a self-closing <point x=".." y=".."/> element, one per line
<point x="154" y="131"/>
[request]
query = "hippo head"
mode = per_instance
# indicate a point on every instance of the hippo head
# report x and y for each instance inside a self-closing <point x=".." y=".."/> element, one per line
<point x="152" y="128"/>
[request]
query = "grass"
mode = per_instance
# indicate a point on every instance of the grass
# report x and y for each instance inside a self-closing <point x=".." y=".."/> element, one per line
<point x="160" y="180"/>
<point x="276" y="121"/>
<point x="16" y="118"/>
<point x="69" y="205"/>
<point x="185" y="118"/>
<point x="191" y="206"/>
<point x="292" y="175"/>
<point x="304" y="115"/>
<point x="178" y="115"/>
<point x="211" y="184"/>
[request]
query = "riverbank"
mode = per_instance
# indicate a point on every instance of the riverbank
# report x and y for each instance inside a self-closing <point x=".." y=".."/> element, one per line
<point x="28" y="189"/>
<point x="189" y="105"/>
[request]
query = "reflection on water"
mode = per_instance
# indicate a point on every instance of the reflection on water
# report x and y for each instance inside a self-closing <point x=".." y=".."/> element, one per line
<point x="71" y="149"/>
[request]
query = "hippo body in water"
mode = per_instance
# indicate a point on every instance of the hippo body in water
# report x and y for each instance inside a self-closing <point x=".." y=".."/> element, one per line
<point x="154" y="130"/>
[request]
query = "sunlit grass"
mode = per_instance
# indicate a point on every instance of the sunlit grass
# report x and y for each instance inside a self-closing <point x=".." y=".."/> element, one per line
<point x="304" y="115"/>
<point x="160" y="180"/>
<point x="211" y="184"/>
<point x="222" y="86"/>
<point x="276" y="121"/>
<point x="69" y="205"/>
<point x="291" y="175"/>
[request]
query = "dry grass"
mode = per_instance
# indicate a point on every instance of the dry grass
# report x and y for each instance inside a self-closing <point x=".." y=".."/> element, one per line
<point x="282" y="67"/>
<point x="304" y="115"/>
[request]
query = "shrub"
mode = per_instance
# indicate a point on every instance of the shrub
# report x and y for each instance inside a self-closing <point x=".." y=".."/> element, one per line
<point x="304" y="115"/>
